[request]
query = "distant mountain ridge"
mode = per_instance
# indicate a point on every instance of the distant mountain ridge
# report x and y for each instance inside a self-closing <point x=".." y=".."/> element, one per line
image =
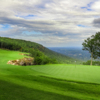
<point x="74" y="52"/>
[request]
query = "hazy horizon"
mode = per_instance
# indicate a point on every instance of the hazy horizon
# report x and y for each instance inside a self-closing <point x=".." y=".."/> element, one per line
<point x="66" y="47"/>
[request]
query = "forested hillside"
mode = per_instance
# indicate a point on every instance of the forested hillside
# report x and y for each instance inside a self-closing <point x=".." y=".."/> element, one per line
<point x="28" y="46"/>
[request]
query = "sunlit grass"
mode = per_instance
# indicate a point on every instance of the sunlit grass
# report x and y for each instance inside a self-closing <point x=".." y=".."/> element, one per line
<point x="71" y="72"/>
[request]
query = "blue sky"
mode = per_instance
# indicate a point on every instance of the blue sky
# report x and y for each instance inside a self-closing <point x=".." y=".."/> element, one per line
<point x="52" y="23"/>
<point x="5" y="27"/>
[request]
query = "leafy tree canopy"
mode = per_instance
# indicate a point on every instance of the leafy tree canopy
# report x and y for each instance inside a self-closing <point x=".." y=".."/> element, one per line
<point x="92" y="44"/>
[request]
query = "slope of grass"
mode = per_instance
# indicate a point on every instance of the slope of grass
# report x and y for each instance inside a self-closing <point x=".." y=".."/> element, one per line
<point x="26" y="83"/>
<point x="6" y="55"/>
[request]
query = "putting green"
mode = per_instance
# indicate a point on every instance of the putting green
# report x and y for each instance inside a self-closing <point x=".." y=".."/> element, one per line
<point x="83" y="73"/>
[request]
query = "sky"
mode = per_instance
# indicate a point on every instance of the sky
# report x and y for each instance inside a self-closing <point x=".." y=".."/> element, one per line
<point x="52" y="23"/>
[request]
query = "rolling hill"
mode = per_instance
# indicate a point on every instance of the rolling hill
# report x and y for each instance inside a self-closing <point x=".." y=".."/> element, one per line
<point x="25" y="46"/>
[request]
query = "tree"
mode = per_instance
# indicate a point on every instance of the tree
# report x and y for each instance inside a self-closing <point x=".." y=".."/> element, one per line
<point x="97" y="44"/>
<point x="89" y="45"/>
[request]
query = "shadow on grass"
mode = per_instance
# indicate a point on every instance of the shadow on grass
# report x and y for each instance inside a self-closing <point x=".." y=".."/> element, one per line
<point x="70" y="81"/>
<point x="10" y="91"/>
<point x="61" y="85"/>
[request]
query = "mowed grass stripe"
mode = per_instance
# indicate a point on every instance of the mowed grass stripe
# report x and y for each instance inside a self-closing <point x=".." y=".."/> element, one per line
<point x="52" y="86"/>
<point x="71" y="72"/>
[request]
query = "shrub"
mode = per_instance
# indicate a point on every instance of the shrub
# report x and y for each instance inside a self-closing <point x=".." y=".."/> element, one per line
<point x="40" y="58"/>
<point x="93" y="63"/>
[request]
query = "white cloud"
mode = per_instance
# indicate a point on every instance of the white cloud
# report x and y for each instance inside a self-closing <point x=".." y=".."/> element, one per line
<point x="59" y="21"/>
<point x="96" y="5"/>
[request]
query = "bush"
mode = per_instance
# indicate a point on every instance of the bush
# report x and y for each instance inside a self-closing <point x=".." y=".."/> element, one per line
<point x="93" y="63"/>
<point x="40" y="58"/>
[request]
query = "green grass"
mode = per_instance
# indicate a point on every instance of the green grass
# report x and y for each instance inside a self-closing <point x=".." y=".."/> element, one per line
<point x="71" y="72"/>
<point x="49" y="82"/>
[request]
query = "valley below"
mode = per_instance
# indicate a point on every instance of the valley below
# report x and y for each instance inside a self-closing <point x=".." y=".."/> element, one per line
<point x="74" y="52"/>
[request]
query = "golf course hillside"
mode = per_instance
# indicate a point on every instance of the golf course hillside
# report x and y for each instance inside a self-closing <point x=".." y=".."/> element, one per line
<point x="35" y="49"/>
<point x="47" y="82"/>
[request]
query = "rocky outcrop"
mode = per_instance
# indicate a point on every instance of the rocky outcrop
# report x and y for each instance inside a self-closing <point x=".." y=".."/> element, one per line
<point x="23" y="62"/>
